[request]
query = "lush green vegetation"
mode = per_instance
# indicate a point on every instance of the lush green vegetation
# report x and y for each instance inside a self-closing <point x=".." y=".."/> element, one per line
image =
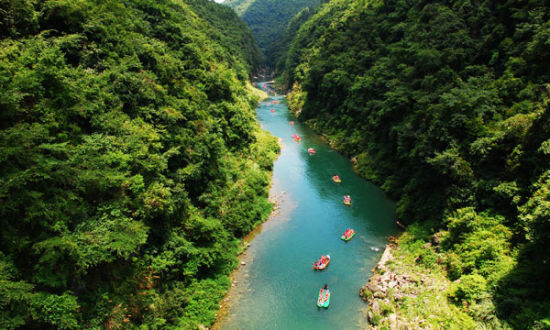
<point x="269" y="21"/>
<point x="239" y="6"/>
<point x="130" y="161"/>
<point x="278" y="50"/>
<point x="445" y="105"/>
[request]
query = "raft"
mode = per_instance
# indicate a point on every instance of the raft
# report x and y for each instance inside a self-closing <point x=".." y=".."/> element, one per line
<point x="291" y="123"/>
<point x="320" y="265"/>
<point x="323" y="300"/>
<point x="347" y="200"/>
<point x="348" y="234"/>
<point x="311" y="151"/>
<point x="296" y="137"/>
<point x="336" y="179"/>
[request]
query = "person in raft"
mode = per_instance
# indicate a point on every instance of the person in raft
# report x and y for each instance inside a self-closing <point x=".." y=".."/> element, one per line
<point x="326" y="286"/>
<point x="322" y="261"/>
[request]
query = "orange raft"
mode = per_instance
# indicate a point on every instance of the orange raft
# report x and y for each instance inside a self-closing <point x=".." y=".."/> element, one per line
<point x="322" y="263"/>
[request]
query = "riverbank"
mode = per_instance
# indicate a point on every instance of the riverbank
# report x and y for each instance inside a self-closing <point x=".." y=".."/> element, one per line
<point x="410" y="290"/>
<point x="282" y="207"/>
<point x="276" y="199"/>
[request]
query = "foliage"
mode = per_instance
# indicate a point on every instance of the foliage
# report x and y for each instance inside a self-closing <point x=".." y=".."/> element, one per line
<point x="130" y="161"/>
<point x="420" y="299"/>
<point x="273" y="22"/>
<point x="444" y="105"/>
<point x="469" y="288"/>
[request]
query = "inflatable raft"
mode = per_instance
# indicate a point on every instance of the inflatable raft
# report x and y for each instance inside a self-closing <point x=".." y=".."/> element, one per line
<point x="336" y="179"/>
<point x="348" y="234"/>
<point x="311" y="151"/>
<point x="296" y="137"/>
<point x="322" y="263"/>
<point x="323" y="300"/>
<point x="347" y="200"/>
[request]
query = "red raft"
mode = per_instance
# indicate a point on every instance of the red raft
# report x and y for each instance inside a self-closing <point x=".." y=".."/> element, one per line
<point x="311" y="151"/>
<point x="348" y="234"/>
<point x="322" y="263"/>
<point x="296" y="137"/>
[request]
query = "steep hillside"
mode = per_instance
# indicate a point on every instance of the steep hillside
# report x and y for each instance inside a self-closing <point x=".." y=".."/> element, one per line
<point x="278" y="50"/>
<point x="130" y="161"/>
<point x="240" y="6"/>
<point x="268" y="20"/>
<point x="445" y="105"/>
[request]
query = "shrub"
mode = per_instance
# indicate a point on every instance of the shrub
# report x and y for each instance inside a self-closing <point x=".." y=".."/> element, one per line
<point x="469" y="288"/>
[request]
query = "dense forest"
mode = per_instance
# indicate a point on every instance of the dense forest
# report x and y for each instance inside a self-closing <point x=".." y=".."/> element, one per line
<point x="130" y="161"/>
<point x="444" y="104"/>
<point x="270" y="22"/>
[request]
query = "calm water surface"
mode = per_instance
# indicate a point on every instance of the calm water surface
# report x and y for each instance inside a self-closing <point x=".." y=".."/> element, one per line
<point x="277" y="289"/>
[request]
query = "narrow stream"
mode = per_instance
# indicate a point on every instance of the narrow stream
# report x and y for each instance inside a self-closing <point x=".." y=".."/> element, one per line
<point x="277" y="288"/>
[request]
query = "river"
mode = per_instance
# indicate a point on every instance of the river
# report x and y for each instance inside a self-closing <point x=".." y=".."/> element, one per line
<point x="277" y="287"/>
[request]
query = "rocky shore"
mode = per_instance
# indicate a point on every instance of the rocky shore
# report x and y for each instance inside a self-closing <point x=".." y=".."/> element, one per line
<point x="395" y="288"/>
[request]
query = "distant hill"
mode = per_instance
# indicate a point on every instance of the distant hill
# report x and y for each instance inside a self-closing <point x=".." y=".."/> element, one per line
<point x="239" y="6"/>
<point x="268" y="20"/>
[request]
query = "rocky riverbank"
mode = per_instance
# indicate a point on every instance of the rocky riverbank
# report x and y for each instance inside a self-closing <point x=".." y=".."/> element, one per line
<point x="404" y="293"/>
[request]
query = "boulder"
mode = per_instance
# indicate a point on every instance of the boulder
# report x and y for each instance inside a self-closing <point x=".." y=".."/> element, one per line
<point x="379" y="294"/>
<point x="375" y="307"/>
<point x="372" y="287"/>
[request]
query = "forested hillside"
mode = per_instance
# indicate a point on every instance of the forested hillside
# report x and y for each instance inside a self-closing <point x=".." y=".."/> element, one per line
<point x="268" y="20"/>
<point x="130" y="161"/>
<point x="445" y="105"/>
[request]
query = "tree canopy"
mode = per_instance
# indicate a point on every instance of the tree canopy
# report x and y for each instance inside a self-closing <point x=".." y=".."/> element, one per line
<point x="445" y="105"/>
<point x="130" y="161"/>
<point x="269" y="21"/>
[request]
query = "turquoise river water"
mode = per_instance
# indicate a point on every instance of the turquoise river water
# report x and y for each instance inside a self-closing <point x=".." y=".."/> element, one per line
<point x="277" y="287"/>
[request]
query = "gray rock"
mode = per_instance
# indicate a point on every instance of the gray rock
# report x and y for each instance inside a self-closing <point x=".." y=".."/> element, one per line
<point x="373" y="287"/>
<point x="375" y="307"/>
